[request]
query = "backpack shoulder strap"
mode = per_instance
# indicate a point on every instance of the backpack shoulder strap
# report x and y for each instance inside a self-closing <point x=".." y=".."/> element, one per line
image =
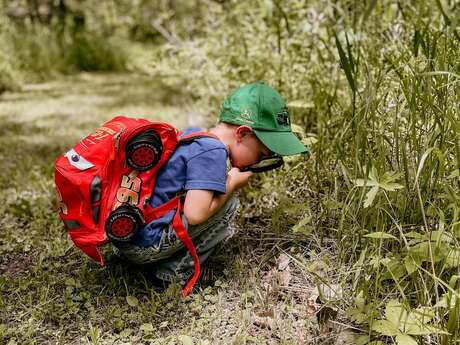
<point x="186" y="139"/>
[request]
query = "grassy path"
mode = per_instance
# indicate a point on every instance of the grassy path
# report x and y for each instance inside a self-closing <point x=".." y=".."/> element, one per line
<point x="51" y="294"/>
<point x="76" y="103"/>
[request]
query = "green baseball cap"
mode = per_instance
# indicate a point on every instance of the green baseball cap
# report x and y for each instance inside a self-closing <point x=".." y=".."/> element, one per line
<point x="262" y="108"/>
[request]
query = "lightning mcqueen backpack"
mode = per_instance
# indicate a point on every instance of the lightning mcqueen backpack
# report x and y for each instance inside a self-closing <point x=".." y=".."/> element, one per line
<point x="105" y="182"/>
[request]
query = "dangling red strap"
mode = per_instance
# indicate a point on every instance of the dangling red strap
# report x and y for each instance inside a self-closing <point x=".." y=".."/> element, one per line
<point x="181" y="232"/>
<point x="176" y="203"/>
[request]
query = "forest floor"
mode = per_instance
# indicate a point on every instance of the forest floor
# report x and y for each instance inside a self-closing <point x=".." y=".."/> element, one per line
<point x="255" y="290"/>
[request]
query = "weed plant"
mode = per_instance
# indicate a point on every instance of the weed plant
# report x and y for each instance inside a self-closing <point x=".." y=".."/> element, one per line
<point x="375" y="86"/>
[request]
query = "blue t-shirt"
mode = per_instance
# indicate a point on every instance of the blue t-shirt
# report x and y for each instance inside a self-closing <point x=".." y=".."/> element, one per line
<point x="201" y="164"/>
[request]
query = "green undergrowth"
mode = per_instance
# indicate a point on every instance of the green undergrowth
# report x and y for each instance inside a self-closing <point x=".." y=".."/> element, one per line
<point x="374" y="87"/>
<point x="368" y="223"/>
<point x="52" y="294"/>
<point x="35" y="52"/>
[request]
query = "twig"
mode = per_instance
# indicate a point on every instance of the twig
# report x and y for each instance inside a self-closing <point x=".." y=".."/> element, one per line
<point x="170" y="37"/>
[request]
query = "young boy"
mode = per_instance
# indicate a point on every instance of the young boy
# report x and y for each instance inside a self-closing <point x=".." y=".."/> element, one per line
<point x="253" y="124"/>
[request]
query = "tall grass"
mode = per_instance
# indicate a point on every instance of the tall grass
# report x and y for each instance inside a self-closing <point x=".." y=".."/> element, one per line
<point x="36" y="52"/>
<point x="376" y="87"/>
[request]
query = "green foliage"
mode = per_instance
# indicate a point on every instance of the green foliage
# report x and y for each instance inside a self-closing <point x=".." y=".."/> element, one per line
<point x="377" y="82"/>
<point x="88" y="53"/>
<point x="31" y="50"/>
<point x="375" y="87"/>
<point x="51" y="294"/>
<point x="10" y="77"/>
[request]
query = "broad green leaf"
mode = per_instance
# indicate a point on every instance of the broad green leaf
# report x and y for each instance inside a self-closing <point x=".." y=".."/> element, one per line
<point x="147" y="327"/>
<point x="421" y="329"/>
<point x="453" y="258"/>
<point x="391" y="186"/>
<point x="416" y="322"/>
<point x="385" y="261"/>
<point x="370" y="196"/>
<point x="380" y="235"/>
<point x="388" y="181"/>
<point x="442" y="303"/>
<point x="365" y="183"/>
<point x="360" y="300"/>
<point x="375" y="261"/>
<point x="453" y="281"/>
<point x="373" y="175"/>
<point x="395" y="269"/>
<point x="404" y="339"/>
<point x="366" y="340"/>
<point x="357" y="316"/>
<point x="302" y="226"/>
<point x="395" y="312"/>
<point x="362" y="339"/>
<point x="417" y="235"/>
<point x="132" y="301"/>
<point x="410" y="264"/>
<point x="422" y="315"/>
<point x="385" y="327"/>
<point x="421" y="251"/>
<point x="447" y="301"/>
<point x="126" y="332"/>
<point x="185" y="340"/>
<point x="441" y="236"/>
<point x="390" y="176"/>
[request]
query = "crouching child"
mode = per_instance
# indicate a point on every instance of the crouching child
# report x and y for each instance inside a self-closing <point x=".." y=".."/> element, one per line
<point x="253" y="125"/>
<point x="151" y="190"/>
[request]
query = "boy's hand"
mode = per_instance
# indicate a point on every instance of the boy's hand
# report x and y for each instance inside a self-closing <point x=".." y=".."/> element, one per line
<point x="237" y="179"/>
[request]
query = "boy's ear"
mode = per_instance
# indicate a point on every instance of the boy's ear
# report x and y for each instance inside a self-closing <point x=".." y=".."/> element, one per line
<point x="242" y="131"/>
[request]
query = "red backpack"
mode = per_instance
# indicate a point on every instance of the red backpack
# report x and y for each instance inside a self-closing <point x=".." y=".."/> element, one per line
<point x="105" y="182"/>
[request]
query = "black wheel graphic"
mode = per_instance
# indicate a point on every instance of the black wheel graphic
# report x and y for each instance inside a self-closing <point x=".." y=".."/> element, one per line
<point x="144" y="150"/>
<point x="123" y="223"/>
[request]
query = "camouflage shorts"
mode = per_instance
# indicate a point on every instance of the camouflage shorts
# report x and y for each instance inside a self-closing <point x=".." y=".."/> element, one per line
<point x="170" y="258"/>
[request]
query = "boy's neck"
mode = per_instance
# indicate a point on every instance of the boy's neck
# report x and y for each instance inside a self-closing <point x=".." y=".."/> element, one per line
<point x="225" y="132"/>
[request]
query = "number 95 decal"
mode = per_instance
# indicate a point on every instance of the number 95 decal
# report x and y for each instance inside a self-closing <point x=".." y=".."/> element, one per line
<point x="129" y="190"/>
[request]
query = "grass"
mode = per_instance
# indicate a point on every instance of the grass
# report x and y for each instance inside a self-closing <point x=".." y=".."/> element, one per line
<point x="52" y="294"/>
<point x="370" y="219"/>
<point x="375" y="86"/>
<point x="31" y="52"/>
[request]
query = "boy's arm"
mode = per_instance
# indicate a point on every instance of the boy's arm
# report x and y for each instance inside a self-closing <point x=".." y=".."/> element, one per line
<point x="200" y="204"/>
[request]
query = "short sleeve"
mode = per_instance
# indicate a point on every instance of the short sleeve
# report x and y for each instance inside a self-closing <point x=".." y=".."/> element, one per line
<point x="207" y="170"/>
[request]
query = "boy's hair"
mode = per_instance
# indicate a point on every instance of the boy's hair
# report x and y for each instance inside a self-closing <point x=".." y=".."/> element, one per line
<point x="263" y="109"/>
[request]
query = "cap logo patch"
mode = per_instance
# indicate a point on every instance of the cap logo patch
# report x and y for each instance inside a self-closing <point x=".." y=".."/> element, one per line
<point x="283" y="117"/>
<point x="245" y="116"/>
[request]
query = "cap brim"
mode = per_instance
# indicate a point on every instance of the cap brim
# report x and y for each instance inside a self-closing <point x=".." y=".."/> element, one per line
<point x="281" y="143"/>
